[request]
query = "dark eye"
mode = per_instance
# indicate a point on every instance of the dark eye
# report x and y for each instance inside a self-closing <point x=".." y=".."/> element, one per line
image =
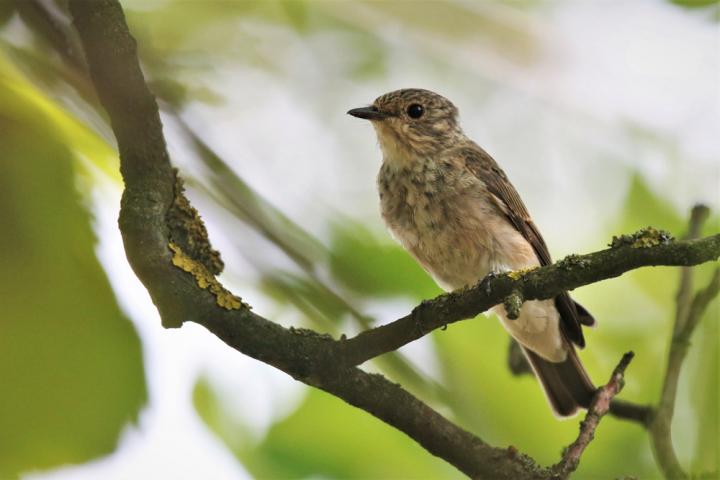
<point x="415" y="110"/>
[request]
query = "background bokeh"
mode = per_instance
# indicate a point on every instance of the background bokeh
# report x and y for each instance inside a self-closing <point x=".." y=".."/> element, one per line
<point x="605" y="115"/>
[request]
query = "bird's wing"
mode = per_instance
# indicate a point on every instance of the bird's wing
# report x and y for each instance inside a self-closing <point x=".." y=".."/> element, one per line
<point x="482" y="165"/>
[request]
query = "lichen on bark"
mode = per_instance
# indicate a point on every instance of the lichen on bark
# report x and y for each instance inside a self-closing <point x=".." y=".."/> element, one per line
<point x="643" y="238"/>
<point x="188" y="231"/>
<point x="205" y="279"/>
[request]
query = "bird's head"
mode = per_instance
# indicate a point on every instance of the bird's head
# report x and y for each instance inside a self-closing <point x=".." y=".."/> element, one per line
<point x="412" y="122"/>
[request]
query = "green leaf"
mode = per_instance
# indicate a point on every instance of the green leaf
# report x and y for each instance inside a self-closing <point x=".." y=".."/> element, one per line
<point x="70" y="363"/>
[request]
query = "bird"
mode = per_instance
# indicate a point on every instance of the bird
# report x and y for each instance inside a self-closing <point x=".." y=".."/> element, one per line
<point x="452" y="207"/>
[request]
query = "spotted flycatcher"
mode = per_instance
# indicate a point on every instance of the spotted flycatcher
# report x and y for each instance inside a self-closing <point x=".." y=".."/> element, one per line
<point x="454" y="209"/>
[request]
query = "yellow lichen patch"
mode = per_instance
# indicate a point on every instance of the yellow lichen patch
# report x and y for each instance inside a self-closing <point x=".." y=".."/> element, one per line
<point x="188" y="231"/>
<point x="516" y="274"/>
<point x="647" y="237"/>
<point x="205" y="279"/>
<point x="650" y="237"/>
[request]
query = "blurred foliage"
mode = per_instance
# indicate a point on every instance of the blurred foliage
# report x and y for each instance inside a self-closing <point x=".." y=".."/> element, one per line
<point x="643" y="208"/>
<point x="705" y="392"/>
<point x="6" y="11"/>
<point x="324" y="437"/>
<point x="309" y="297"/>
<point x="70" y="363"/>
<point x="376" y="268"/>
<point x="696" y="3"/>
<point x="711" y="7"/>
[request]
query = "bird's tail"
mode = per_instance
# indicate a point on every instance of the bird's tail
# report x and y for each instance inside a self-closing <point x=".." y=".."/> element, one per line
<point x="567" y="385"/>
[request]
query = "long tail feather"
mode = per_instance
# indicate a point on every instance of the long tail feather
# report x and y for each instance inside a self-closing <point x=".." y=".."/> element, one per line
<point x="567" y="385"/>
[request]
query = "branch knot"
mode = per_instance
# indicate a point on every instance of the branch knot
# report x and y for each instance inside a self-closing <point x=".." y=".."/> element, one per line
<point x="513" y="303"/>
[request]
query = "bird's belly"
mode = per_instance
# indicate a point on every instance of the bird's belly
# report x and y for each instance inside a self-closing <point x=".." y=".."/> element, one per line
<point x="453" y="257"/>
<point x="459" y="243"/>
<point x="537" y="328"/>
<point x="461" y="255"/>
<point x="456" y="250"/>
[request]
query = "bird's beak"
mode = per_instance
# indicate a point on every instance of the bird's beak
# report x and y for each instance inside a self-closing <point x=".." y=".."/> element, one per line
<point x="368" y="113"/>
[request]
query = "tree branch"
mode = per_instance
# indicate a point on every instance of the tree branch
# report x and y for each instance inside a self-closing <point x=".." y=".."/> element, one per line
<point x="537" y="284"/>
<point x="151" y="191"/>
<point x="518" y="365"/>
<point x="625" y="410"/>
<point x="598" y="408"/>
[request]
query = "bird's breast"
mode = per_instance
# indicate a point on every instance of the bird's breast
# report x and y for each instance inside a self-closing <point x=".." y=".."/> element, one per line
<point x="444" y="217"/>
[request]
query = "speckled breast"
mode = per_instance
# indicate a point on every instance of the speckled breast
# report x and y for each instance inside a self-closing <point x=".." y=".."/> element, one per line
<point x="442" y="215"/>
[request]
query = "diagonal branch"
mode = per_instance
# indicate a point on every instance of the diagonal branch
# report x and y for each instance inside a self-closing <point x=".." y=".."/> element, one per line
<point x="537" y="284"/>
<point x="642" y="414"/>
<point x="598" y="408"/>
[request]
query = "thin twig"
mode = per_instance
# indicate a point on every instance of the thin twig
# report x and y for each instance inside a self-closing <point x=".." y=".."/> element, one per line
<point x="633" y="412"/>
<point x="689" y="310"/>
<point x="598" y="408"/>
<point x="683" y="299"/>
<point x="661" y="424"/>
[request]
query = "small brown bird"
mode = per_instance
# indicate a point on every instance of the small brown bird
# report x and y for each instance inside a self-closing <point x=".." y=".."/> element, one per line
<point x="454" y="209"/>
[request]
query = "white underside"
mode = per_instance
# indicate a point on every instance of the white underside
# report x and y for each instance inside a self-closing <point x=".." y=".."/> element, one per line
<point x="537" y="328"/>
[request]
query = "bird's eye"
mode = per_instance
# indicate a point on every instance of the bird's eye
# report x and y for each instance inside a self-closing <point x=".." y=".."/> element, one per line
<point x="415" y="110"/>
